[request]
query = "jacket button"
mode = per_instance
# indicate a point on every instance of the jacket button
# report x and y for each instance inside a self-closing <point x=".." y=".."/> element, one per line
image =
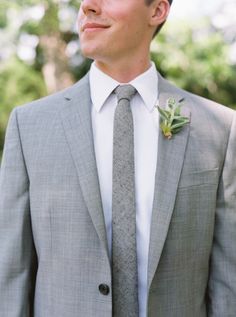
<point x="104" y="289"/>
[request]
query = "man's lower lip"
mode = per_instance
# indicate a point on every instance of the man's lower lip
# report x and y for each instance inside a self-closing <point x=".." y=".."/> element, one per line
<point x="94" y="29"/>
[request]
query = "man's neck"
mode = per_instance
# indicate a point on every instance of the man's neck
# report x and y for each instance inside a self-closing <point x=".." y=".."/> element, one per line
<point x="125" y="72"/>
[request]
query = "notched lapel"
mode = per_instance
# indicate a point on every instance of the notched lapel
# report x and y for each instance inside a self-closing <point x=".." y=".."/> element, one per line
<point x="76" y="119"/>
<point x="169" y="165"/>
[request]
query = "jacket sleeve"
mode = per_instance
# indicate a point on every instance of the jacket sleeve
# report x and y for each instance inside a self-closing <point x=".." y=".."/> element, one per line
<point x="222" y="274"/>
<point x="17" y="252"/>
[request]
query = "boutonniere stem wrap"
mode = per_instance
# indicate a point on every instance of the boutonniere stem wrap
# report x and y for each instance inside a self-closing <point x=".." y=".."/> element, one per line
<point x="171" y="120"/>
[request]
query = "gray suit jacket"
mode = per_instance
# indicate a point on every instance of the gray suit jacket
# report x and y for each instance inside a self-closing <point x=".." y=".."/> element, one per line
<point x="53" y="248"/>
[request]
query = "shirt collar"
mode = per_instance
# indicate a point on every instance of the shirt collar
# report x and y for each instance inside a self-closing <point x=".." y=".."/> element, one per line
<point x="146" y="85"/>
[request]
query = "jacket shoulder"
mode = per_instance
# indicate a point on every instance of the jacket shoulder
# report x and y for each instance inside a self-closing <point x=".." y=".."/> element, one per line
<point x="202" y="110"/>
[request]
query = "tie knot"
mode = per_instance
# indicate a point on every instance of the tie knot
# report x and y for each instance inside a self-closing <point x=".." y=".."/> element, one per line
<point x="125" y="92"/>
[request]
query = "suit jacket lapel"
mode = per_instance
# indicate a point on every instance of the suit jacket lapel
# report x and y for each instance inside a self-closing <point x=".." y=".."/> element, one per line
<point x="76" y="119"/>
<point x="169" y="165"/>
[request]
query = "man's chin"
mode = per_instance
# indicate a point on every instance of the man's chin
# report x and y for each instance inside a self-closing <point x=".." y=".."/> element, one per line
<point x="90" y="53"/>
<point x="88" y="50"/>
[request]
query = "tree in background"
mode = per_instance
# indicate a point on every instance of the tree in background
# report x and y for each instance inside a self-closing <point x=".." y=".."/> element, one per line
<point x="34" y="55"/>
<point x="40" y="55"/>
<point x="196" y="58"/>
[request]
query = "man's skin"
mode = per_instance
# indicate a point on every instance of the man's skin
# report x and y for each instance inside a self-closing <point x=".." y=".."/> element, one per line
<point x="119" y="41"/>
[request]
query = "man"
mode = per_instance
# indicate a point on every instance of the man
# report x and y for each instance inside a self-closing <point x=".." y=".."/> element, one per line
<point x="70" y="180"/>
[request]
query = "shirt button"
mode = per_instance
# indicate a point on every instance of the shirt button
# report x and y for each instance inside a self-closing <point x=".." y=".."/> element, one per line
<point x="104" y="289"/>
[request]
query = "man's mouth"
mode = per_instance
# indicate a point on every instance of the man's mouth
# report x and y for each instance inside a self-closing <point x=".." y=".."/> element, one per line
<point x="93" y="27"/>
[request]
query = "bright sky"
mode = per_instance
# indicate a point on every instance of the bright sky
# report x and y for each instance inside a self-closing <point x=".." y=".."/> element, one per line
<point x="184" y="8"/>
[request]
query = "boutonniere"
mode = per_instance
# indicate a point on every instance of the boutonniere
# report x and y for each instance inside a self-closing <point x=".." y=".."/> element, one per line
<point x="171" y="121"/>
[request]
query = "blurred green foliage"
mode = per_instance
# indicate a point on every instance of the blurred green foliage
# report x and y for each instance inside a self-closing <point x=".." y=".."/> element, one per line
<point x="19" y="83"/>
<point x="193" y="56"/>
<point x="197" y="59"/>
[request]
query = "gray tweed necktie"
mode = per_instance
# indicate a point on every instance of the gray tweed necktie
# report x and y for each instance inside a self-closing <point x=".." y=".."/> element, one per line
<point x="124" y="256"/>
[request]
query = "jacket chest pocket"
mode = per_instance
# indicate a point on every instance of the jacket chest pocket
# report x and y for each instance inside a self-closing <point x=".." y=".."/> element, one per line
<point x="196" y="199"/>
<point x="199" y="178"/>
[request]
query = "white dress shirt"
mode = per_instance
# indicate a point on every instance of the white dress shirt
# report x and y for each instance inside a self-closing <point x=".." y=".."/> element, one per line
<point x="145" y="118"/>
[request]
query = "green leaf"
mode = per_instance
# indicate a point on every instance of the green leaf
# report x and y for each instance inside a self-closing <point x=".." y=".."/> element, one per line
<point x="164" y="113"/>
<point x="175" y="131"/>
<point x="178" y="125"/>
<point x="177" y="111"/>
